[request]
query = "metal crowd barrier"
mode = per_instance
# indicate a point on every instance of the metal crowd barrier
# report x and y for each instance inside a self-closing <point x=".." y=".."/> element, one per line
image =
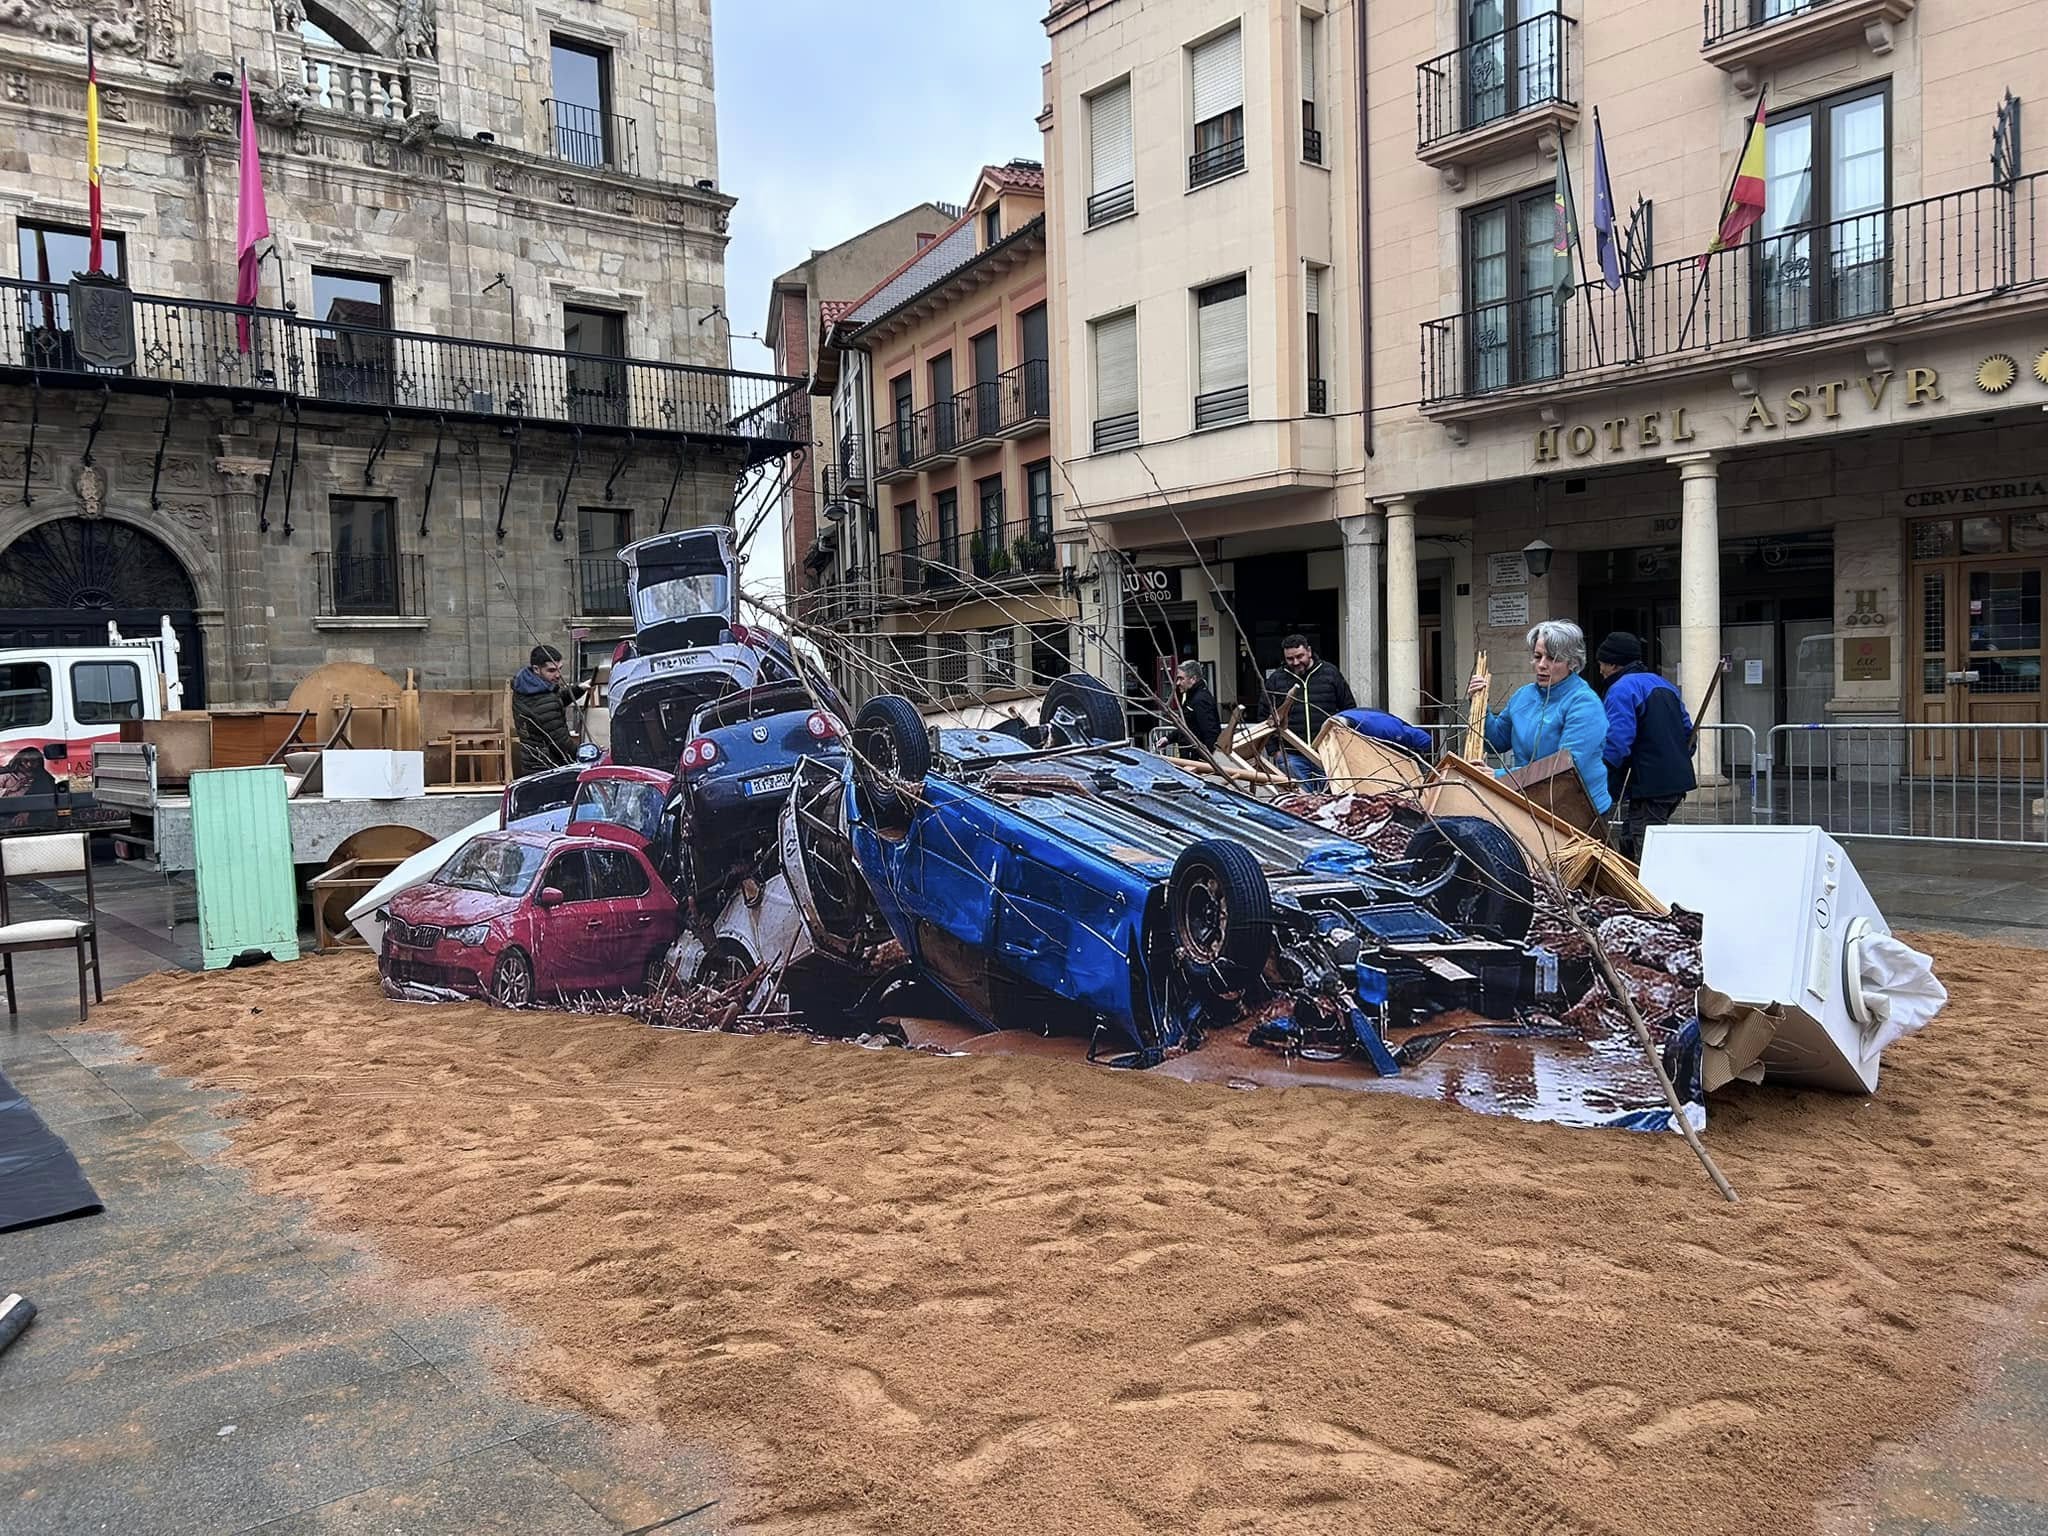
<point x="1931" y="783"/>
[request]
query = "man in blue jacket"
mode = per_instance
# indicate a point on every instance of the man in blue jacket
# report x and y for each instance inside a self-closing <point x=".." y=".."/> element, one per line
<point x="1559" y="712"/>
<point x="1648" y="732"/>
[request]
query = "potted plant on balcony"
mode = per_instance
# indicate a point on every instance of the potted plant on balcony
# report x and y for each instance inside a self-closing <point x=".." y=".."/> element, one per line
<point x="1034" y="552"/>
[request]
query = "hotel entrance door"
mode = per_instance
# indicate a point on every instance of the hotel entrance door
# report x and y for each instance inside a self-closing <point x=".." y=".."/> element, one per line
<point x="1977" y="624"/>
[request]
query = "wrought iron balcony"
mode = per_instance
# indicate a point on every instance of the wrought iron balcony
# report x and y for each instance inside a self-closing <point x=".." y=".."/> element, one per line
<point x="1748" y="37"/>
<point x="587" y="137"/>
<point x="1318" y="397"/>
<point x="954" y="567"/>
<point x="601" y="585"/>
<point x="1115" y="203"/>
<point x="1895" y="263"/>
<point x="1010" y="403"/>
<point x="192" y="346"/>
<point x="1493" y="79"/>
<point x="1215" y="162"/>
<point x="1221" y="407"/>
<point x="1112" y="432"/>
<point x="368" y="586"/>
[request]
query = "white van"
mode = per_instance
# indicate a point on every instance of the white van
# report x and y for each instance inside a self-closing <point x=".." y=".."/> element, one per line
<point x="62" y="701"/>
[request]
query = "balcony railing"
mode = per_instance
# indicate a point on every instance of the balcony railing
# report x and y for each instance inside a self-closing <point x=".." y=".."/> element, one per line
<point x="1730" y="18"/>
<point x="585" y="136"/>
<point x="1312" y="146"/>
<point x="192" y="345"/>
<point x="1527" y="65"/>
<point x="368" y="586"/>
<point x="356" y="83"/>
<point x="1318" y="397"/>
<point x="1115" y="203"/>
<point x="1215" y="162"/>
<point x="1016" y="550"/>
<point x="1219" y="407"/>
<point x="600" y="585"/>
<point x="1010" y="402"/>
<point x="1112" y="432"/>
<point x="902" y="445"/>
<point x="1890" y="263"/>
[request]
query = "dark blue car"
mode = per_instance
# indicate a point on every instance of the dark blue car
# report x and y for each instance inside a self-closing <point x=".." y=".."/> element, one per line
<point x="735" y="774"/>
<point x="1096" y="889"/>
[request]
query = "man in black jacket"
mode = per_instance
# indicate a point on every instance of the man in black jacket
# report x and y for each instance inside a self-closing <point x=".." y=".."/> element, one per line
<point x="1200" y="721"/>
<point x="540" y="713"/>
<point x="1649" y="733"/>
<point x="1318" y="691"/>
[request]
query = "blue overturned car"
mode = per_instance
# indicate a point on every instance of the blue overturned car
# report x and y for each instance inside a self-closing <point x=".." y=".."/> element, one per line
<point x="1062" y="881"/>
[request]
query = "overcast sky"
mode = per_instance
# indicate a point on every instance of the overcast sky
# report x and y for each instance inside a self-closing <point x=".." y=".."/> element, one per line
<point x="834" y="115"/>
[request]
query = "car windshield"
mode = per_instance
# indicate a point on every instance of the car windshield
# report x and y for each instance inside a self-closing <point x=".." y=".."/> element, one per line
<point x="500" y="868"/>
<point x="680" y="597"/>
<point x="621" y="803"/>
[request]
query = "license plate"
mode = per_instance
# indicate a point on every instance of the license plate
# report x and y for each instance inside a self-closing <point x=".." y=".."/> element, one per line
<point x="771" y="784"/>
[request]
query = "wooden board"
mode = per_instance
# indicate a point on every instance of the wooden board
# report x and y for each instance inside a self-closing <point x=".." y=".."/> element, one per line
<point x="1364" y="764"/>
<point x="321" y="685"/>
<point x="1554" y="783"/>
<point x="249" y="738"/>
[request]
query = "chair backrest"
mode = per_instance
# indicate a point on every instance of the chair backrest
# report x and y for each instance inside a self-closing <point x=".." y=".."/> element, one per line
<point x="46" y="853"/>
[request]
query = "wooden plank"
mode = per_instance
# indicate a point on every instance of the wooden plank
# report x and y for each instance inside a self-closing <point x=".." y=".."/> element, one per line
<point x="1475" y="721"/>
<point x="1554" y="783"/>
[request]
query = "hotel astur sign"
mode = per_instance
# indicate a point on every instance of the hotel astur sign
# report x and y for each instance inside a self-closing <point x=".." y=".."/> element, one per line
<point x="1827" y="399"/>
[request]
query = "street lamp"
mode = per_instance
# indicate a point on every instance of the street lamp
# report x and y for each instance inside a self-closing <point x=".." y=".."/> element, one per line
<point x="1536" y="555"/>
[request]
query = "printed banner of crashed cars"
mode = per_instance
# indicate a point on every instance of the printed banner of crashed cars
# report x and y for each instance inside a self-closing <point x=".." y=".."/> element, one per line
<point x="1040" y="878"/>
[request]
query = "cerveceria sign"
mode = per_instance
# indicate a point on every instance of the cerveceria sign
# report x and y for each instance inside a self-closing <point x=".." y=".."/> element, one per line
<point x="1766" y="413"/>
<point x="1939" y="498"/>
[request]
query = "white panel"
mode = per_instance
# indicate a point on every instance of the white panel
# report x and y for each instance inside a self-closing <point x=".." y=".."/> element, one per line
<point x="1219" y="77"/>
<point x="1308" y="58"/>
<point x="1109" y="138"/>
<point x="1116" y="365"/>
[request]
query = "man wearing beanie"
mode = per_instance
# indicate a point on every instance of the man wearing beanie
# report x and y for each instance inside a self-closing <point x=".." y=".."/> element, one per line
<point x="1648" y="729"/>
<point x="540" y="713"/>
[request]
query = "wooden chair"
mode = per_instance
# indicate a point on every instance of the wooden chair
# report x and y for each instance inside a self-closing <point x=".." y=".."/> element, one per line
<point x="38" y="857"/>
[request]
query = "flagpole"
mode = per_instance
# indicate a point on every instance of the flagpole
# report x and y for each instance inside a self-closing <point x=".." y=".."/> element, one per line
<point x="1579" y="250"/>
<point x="1628" y="297"/>
<point x="1706" y="262"/>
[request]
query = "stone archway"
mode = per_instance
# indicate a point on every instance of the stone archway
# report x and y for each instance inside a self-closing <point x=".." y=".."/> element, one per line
<point x="63" y="581"/>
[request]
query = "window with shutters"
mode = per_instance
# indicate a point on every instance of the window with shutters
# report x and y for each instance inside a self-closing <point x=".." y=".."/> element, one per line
<point x="1312" y="301"/>
<point x="946" y="556"/>
<point x="1116" y="381"/>
<point x="949" y="662"/>
<point x="1222" y="384"/>
<point x="1112" y="192"/>
<point x="1311" y="67"/>
<point x="1216" y="70"/>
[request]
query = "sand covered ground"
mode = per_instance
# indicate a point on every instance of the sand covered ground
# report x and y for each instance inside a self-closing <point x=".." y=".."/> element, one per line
<point x="925" y="1295"/>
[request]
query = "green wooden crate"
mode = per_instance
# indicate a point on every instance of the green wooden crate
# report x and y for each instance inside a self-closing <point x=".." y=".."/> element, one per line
<point x="242" y="855"/>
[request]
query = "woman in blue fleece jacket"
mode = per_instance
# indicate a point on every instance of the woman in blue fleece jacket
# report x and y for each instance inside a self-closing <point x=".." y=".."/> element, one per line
<point x="1558" y="712"/>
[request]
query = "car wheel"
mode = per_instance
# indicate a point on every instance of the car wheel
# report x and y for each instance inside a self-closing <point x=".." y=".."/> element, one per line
<point x="1221" y="909"/>
<point x="727" y="963"/>
<point x="1079" y="709"/>
<point x="1481" y="877"/>
<point x="891" y="755"/>
<point x="512" y="983"/>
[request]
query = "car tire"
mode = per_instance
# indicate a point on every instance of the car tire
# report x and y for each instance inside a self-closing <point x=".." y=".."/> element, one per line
<point x="1490" y="890"/>
<point x="891" y="755"/>
<point x="1079" y="709"/>
<point x="727" y="962"/>
<point x="512" y="982"/>
<point x="1221" y="911"/>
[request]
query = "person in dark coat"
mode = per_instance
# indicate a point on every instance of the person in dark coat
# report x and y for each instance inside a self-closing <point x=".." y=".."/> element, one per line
<point x="1648" y="732"/>
<point x="1319" y="692"/>
<point x="540" y="713"/>
<point x="1200" y="721"/>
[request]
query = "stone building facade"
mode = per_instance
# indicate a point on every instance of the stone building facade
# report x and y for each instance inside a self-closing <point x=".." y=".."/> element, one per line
<point x="489" y="347"/>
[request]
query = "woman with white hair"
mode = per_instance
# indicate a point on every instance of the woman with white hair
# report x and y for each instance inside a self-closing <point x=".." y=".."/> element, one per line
<point x="1559" y="712"/>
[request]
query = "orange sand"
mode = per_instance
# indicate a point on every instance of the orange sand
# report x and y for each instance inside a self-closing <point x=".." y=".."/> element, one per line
<point x="934" y="1296"/>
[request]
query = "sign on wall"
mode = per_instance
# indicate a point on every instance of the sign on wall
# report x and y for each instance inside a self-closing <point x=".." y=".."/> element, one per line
<point x="1152" y="584"/>
<point x="1507" y="610"/>
<point x="1507" y="568"/>
<point x="1865" y="660"/>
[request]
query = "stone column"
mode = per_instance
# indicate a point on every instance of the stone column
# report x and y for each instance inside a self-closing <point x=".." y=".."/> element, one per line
<point x="1699" y="594"/>
<point x="1404" y="611"/>
<point x="1364" y="618"/>
<point x="244" y="590"/>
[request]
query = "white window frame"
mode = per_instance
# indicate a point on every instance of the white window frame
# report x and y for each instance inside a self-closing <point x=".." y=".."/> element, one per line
<point x="1210" y="340"/>
<point x="1101" y="181"/>
<point x="1098" y="412"/>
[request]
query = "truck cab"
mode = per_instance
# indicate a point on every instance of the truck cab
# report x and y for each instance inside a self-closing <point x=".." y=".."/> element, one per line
<point x="63" y="701"/>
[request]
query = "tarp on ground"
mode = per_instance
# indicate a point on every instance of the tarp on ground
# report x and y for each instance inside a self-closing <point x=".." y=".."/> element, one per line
<point x="39" y="1178"/>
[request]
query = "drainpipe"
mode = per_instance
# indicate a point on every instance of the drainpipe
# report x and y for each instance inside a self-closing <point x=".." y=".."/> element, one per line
<point x="1364" y="237"/>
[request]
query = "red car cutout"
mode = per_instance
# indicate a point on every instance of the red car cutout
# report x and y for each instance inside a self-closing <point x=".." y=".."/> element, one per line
<point x="521" y="915"/>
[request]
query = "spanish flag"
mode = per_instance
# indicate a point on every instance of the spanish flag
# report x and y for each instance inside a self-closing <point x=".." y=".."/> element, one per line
<point x="1745" y="204"/>
<point x="92" y="150"/>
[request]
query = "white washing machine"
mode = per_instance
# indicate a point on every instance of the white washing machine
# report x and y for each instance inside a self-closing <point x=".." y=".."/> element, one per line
<point x="1786" y="918"/>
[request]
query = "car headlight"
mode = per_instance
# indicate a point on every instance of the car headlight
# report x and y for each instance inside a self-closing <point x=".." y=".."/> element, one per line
<point x="473" y="935"/>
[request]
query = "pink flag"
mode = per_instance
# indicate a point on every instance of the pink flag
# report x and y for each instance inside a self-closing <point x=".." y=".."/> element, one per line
<point x="252" y="220"/>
